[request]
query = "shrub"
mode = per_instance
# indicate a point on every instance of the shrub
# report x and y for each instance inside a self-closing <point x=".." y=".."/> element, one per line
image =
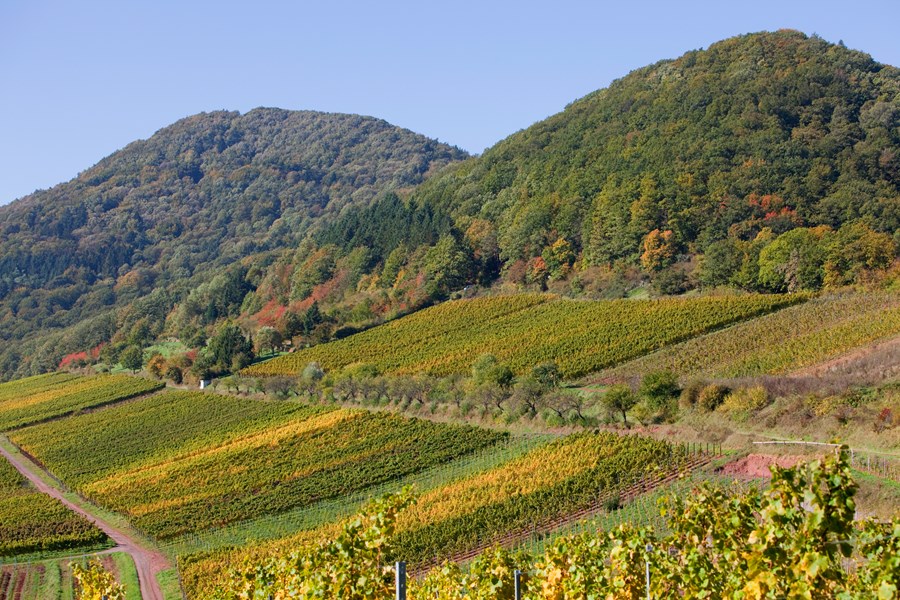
<point x="658" y="388"/>
<point x="174" y="374"/>
<point x="691" y="394"/>
<point x="157" y="365"/>
<point x="712" y="396"/>
<point x="746" y="400"/>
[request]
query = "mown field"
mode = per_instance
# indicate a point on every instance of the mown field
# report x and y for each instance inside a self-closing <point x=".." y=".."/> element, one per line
<point x="43" y="397"/>
<point x="552" y="480"/>
<point x="790" y="339"/>
<point x="31" y="522"/>
<point x="180" y="462"/>
<point x="526" y="330"/>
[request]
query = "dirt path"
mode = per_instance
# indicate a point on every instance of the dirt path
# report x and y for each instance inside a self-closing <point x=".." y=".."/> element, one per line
<point x="147" y="561"/>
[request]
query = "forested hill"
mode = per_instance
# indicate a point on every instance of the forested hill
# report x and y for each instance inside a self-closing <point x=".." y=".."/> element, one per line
<point x="204" y="192"/>
<point x="713" y="155"/>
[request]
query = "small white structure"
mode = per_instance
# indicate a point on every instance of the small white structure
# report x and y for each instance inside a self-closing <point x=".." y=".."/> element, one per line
<point x="204" y="383"/>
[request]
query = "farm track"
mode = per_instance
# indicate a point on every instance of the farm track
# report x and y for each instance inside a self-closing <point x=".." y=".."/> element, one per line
<point x="148" y="562"/>
<point x="596" y="507"/>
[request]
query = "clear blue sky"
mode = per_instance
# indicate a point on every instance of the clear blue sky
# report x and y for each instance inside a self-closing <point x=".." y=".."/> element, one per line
<point x="82" y="79"/>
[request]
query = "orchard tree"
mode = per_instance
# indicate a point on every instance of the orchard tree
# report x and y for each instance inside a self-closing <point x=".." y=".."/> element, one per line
<point x="487" y="369"/>
<point x="620" y="399"/>
<point x="267" y="338"/>
<point x="547" y="374"/>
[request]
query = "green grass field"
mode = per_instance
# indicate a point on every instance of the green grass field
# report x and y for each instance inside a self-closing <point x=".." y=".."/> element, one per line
<point x="526" y="330"/>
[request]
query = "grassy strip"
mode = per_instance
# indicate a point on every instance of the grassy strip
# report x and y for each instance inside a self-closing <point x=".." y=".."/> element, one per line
<point x="169" y="584"/>
<point x="127" y="575"/>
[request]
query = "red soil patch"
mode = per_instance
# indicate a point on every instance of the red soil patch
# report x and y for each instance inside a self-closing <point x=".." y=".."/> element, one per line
<point x="756" y="466"/>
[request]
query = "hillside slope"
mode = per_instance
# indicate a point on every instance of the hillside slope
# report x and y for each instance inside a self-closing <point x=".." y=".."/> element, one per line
<point x="715" y="154"/>
<point x="200" y="194"/>
<point x="768" y="162"/>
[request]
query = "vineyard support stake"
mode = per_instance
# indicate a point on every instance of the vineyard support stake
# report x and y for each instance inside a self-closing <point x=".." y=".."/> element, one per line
<point x="649" y="549"/>
<point x="517" y="584"/>
<point x="400" y="580"/>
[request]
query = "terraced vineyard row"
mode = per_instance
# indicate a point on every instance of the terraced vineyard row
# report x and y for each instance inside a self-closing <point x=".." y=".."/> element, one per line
<point x="563" y="477"/>
<point x="31" y="522"/>
<point x="284" y="525"/>
<point x="33" y="385"/>
<point x="787" y="340"/>
<point x="159" y="428"/>
<point x="38" y="399"/>
<point x="597" y="505"/>
<point x="232" y="467"/>
<point x="526" y="330"/>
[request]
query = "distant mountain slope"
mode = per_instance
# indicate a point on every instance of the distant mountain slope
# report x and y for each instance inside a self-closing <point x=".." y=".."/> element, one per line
<point x="695" y="145"/>
<point x="697" y="156"/>
<point x="204" y="192"/>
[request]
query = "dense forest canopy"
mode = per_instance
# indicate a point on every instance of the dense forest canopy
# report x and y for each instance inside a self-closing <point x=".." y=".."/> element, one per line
<point x="759" y="134"/>
<point x="768" y="162"/>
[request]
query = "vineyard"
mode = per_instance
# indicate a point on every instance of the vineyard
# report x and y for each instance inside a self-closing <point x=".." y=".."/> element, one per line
<point x="33" y="385"/>
<point x="787" y="340"/>
<point x="547" y="483"/>
<point x="31" y="522"/>
<point x="333" y="510"/>
<point x="795" y="539"/>
<point x="158" y="428"/>
<point x="525" y="330"/>
<point x="44" y="397"/>
<point x="290" y="457"/>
